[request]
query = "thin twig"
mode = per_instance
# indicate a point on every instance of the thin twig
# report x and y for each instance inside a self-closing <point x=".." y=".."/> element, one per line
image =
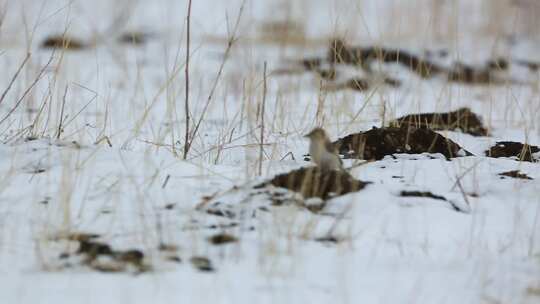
<point x="166" y="181"/>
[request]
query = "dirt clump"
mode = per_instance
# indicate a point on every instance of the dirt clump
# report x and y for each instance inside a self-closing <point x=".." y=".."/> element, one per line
<point x="362" y="84"/>
<point x="282" y="32"/>
<point x="202" y="264"/>
<point x="427" y="194"/>
<point x="462" y="119"/>
<point x="421" y="194"/>
<point x="63" y="42"/>
<point x="312" y="182"/>
<point x="377" y="143"/>
<point x="498" y="64"/>
<point x="469" y="74"/>
<point x="100" y="256"/>
<point x="339" y="52"/>
<point x="134" y="38"/>
<point x="533" y="66"/>
<point x="515" y="174"/>
<point x="512" y="149"/>
<point x="222" y="238"/>
<point x="311" y="64"/>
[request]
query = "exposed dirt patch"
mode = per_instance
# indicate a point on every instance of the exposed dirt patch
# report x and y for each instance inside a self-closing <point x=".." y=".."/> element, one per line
<point x="282" y="32"/>
<point x="220" y="212"/>
<point x="82" y="236"/>
<point x="469" y="74"/>
<point x="377" y="143"/>
<point x="531" y="65"/>
<point x="202" y="263"/>
<point x="134" y="38"/>
<point x="317" y="65"/>
<point x="63" y="42"/>
<point x="522" y="152"/>
<point x="327" y="74"/>
<point x="328" y="239"/>
<point x="515" y="174"/>
<point x="436" y="53"/>
<point x="339" y="52"/>
<point x="462" y="119"/>
<point x="222" y="238"/>
<point x="355" y="84"/>
<point x="313" y="182"/>
<point x="100" y="256"/>
<point x="362" y="84"/>
<point x="427" y="194"/>
<point x="313" y="63"/>
<point x="498" y="64"/>
<point x="421" y="194"/>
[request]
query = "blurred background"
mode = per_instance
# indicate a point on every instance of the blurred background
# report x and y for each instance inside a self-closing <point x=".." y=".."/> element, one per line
<point x="441" y="21"/>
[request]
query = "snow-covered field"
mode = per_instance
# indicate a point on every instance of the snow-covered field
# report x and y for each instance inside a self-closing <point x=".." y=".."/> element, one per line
<point x="92" y="142"/>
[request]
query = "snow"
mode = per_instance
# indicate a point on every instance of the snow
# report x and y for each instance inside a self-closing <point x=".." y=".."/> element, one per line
<point x="137" y="194"/>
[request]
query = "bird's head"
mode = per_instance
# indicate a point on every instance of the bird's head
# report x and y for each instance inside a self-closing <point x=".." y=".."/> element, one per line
<point x="317" y="134"/>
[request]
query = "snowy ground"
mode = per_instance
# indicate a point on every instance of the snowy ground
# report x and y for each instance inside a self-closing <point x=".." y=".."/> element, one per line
<point x="116" y="168"/>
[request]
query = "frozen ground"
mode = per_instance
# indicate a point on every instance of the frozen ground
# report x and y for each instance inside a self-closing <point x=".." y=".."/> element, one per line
<point x="116" y="169"/>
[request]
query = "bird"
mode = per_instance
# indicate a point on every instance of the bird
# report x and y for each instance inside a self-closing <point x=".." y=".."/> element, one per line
<point x="323" y="153"/>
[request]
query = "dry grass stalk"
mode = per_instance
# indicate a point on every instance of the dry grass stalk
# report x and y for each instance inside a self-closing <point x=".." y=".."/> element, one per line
<point x="15" y="76"/>
<point x="187" y="143"/>
<point x="27" y="91"/>
<point x="230" y="43"/>
<point x="261" y="148"/>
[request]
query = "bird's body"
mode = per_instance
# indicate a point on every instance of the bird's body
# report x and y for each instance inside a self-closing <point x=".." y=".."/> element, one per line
<point x="322" y="152"/>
